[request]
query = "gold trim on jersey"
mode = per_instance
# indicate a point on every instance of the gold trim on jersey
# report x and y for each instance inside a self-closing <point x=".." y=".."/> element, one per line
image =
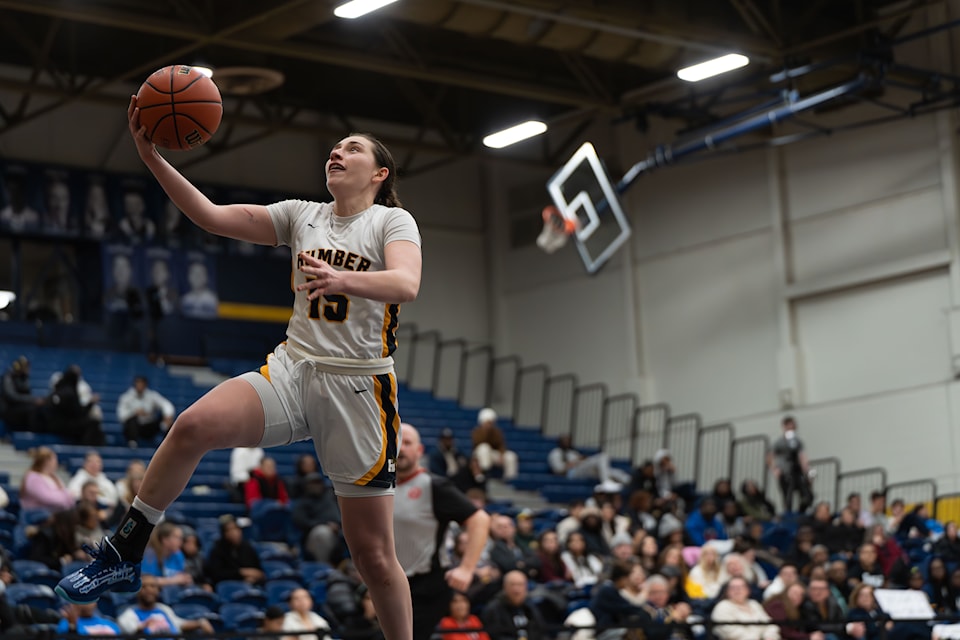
<point x="391" y="318"/>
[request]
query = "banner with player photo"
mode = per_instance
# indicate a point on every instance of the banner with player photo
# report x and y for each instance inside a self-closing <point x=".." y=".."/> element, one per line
<point x="158" y="282"/>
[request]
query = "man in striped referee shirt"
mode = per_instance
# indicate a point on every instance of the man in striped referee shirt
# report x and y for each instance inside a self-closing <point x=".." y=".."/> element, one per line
<point x="424" y="505"/>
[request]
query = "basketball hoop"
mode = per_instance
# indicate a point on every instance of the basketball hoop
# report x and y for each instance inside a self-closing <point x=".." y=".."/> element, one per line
<point x="556" y="229"/>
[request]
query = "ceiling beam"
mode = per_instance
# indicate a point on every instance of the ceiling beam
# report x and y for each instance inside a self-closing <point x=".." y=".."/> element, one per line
<point x="325" y="55"/>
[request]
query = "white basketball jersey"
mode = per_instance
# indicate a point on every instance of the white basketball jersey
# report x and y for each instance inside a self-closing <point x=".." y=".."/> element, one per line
<point x="338" y="325"/>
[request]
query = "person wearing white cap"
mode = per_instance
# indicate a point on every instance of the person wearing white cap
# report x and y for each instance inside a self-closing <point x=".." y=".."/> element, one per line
<point x="490" y="447"/>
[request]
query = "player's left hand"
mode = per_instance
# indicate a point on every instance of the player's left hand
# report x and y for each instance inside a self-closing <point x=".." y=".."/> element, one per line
<point x="325" y="278"/>
<point x="459" y="578"/>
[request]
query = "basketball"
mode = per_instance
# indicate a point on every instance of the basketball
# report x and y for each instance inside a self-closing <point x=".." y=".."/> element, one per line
<point x="180" y="107"/>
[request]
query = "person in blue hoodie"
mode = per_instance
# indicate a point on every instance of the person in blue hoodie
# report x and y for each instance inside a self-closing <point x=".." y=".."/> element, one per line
<point x="704" y="524"/>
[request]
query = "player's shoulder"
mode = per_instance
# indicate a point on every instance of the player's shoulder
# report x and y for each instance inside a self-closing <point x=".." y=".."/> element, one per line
<point x="386" y="213"/>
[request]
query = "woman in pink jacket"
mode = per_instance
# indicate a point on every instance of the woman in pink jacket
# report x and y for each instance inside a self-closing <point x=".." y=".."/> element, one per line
<point x="41" y="487"/>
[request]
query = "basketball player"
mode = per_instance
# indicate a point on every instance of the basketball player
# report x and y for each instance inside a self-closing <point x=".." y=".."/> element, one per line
<point x="355" y="259"/>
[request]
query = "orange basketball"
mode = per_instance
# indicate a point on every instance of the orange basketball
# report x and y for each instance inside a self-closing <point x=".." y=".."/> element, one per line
<point x="180" y="107"/>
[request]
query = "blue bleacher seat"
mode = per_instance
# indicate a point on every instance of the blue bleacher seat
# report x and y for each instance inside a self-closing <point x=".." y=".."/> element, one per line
<point x="280" y="570"/>
<point x="272" y="522"/>
<point x="194" y="611"/>
<point x="238" y="591"/>
<point x="199" y="596"/>
<point x="241" y="617"/>
<point x="34" y="516"/>
<point x="278" y="591"/>
<point x="314" y="571"/>
<point x="35" y="572"/>
<point x="32" y="595"/>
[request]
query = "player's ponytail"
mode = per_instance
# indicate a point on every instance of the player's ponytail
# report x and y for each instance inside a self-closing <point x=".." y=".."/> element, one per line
<point x="387" y="195"/>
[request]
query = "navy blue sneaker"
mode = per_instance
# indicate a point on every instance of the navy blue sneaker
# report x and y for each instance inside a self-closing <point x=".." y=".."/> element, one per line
<point x="107" y="572"/>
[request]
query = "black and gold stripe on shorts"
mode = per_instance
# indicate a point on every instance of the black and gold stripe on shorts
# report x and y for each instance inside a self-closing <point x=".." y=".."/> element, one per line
<point x="383" y="473"/>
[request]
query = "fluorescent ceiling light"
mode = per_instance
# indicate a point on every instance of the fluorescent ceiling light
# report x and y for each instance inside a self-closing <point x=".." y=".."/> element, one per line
<point x="713" y="67"/>
<point x="514" y="134"/>
<point x="357" y="8"/>
<point x="6" y="298"/>
<point x="207" y="71"/>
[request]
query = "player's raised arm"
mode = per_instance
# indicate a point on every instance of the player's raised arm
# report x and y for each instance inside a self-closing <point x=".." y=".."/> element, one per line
<point x="247" y="222"/>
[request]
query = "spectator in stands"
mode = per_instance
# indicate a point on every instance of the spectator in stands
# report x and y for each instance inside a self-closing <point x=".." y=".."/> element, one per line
<point x="305" y="467"/>
<point x="866" y="567"/>
<point x="72" y="411"/>
<point x="164" y="557"/>
<point x="570" y="522"/>
<point x="511" y="615"/>
<point x="490" y="447"/>
<point x="704" y="524"/>
<point x="754" y="503"/>
<point x="707" y="574"/>
<point x="592" y="530"/>
<point x="937" y="585"/>
<point x="612" y="523"/>
<point x="317" y="516"/>
<point x="788" y="462"/>
<point x="621" y="547"/>
<point x="584" y="567"/>
<point x="819" y="557"/>
<point x="265" y="484"/>
<point x="953" y="603"/>
<point x="664" y="610"/>
<point x="90" y="497"/>
<point x="803" y="543"/>
<point x="843" y="535"/>
<point x="243" y="460"/>
<point x="734" y="566"/>
<point x="505" y="553"/>
<point x="525" y="535"/>
<point x="92" y="470"/>
<point x="733" y="521"/>
<point x="738" y="606"/>
<point x="445" y="459"/>
<point x="948" y="545"/>
<point x="856" y="505"/>
<point x="151" y="617"/>
<point x="41" y="487"/>
<point x="786" y="576"/>
<point x="837" y="573"/>
<point x="19" y="408"/>
<point x="669" y="488"/>
<point x="649" y="554"/>
<point x="143" y="412"/>
<point x="272" y="622"/>
<point x="552" y="567"/>
<point x="672" y="557"/>
<point x="722" y="493"/>
<point x="634" y="590"/>
<point x="785" y="608"/>
<point x="127" y="487"/>
<point x="823" y="610"/>
<point x="89" y="524"/>
<point x="914" y="523"/>
<point x="54" y="542"/>
<point x="232" y="556"/>
<point x="566" y="461"/>
<point x="460" y="617"/>
<point x="639" y="511"/>
<point x="301" y="617"/>
<point x="194" y="558"/>
<point x="865" y="620"/>
<point x="611" y="608"/>
<point x="82" y="620"/>
<point x="877" y="514"/>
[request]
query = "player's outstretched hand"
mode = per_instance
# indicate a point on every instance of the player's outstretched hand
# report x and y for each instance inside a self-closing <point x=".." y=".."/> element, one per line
<point x="139" y="132"/>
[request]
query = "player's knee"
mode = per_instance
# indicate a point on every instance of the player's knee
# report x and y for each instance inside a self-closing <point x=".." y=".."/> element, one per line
<point x="372" y="561"/>
<point x="192" y="431"/>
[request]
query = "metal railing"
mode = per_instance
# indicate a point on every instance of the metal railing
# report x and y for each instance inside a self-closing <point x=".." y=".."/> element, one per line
<point x="621" y="426"/>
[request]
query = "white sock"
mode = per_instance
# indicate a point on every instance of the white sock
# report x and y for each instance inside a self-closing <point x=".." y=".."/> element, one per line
<point x="152" y="515"/>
